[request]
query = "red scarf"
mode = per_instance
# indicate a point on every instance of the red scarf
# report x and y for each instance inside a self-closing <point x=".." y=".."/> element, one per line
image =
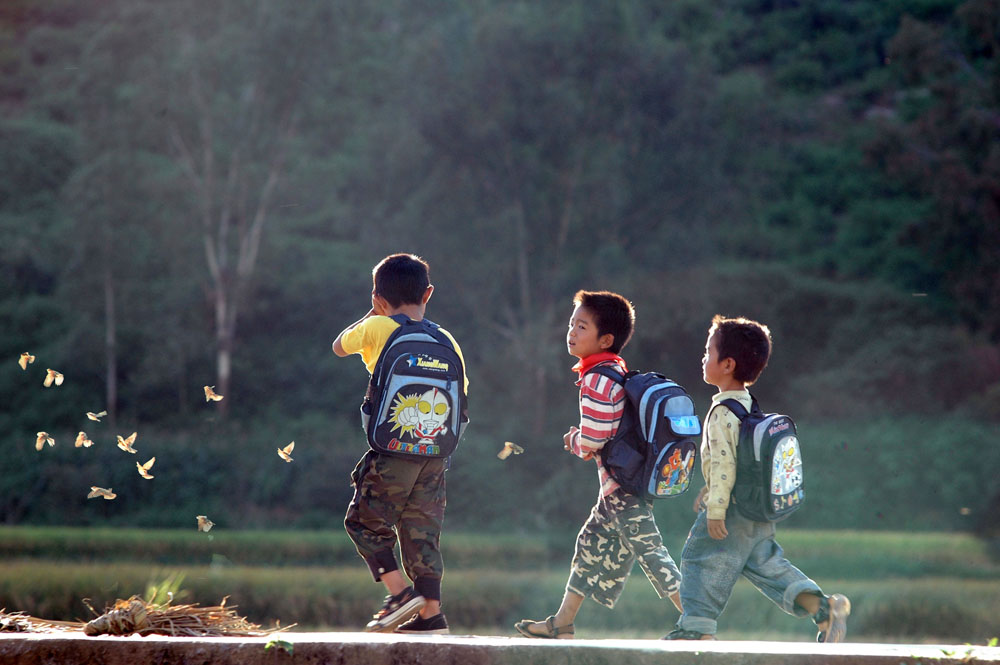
<point x="586" y="364"/>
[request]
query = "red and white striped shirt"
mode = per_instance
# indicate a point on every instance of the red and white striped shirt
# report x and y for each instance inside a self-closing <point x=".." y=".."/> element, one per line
<point x="602" y="403"/>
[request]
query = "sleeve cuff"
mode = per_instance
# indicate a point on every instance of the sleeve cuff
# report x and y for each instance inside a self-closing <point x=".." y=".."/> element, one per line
<point x="716" y="514"/>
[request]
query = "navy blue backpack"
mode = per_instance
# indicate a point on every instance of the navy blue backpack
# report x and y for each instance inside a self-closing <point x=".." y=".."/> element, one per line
<point x="416" y="404"/>
<point x="653" y="453"/>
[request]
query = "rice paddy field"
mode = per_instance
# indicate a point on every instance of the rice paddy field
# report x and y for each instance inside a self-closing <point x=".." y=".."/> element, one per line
<point x="905" y="587"/>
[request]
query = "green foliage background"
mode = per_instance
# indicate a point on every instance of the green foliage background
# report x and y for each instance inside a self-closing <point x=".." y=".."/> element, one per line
<point x="830" y="168"/>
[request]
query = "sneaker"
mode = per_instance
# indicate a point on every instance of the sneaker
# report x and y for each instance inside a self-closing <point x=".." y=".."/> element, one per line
<point x="682" y="634"/>
<point x="835" y="609"/>
<point x="395" y="611"/>
<point x="435" y="625"/>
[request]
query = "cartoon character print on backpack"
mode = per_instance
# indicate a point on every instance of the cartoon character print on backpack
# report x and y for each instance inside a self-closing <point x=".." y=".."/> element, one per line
<point x="421" y="417"/>
<point x="787" y="473"/>
<point x="674" y="474"/>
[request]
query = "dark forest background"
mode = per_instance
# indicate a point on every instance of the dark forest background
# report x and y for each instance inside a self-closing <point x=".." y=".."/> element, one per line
<point x="195" y="193"/>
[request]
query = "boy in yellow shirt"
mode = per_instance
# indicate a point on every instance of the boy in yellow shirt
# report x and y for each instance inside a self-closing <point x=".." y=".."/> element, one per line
<point x="723" y="544"/>
<point x="398" y="498"/>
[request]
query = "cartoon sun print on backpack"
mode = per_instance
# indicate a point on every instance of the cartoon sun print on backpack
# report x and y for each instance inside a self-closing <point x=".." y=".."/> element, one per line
<point x="786" y="476"/>
<point x="421" y="416"/>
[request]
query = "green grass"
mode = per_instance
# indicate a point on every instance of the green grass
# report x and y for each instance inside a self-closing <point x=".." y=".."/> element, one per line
<point x="830" y="554"/>
<point x="923" y="587"/>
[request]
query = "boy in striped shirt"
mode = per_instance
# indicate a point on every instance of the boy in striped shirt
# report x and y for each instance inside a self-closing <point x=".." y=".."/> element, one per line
<point x="621" y="528"/>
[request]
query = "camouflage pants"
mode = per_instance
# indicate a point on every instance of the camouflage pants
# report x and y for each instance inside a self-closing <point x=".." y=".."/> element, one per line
<point x="620" y="531"/>
<point x="400" y="499"/>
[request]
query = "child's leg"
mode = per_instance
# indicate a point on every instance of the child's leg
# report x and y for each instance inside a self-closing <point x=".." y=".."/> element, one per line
<point x="638" y="531"/>
<point x="373" y="512"/>
<point x="597" y="549"/>
<point x="792" y="591"/>
<point x="709" y="570"/>
<point x="601" y="562"/>
<point x="775" y="576"/>
<point x="381" y="487"/>
<point x="420" y="534"/>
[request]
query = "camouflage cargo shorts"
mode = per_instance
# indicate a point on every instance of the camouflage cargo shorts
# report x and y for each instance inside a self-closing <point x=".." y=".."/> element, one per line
<point x="620" y="531"/>
<point x="399" y="499"/>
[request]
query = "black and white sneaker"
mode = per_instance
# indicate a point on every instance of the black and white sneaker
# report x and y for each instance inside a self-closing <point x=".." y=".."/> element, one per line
<point x="435" y="625"/>
<point x="395" y="611"/>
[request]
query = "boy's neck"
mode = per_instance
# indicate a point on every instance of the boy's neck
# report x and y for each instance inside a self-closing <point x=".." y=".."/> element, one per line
<point x="414" y="312"/>
<point x="730" y="386"/>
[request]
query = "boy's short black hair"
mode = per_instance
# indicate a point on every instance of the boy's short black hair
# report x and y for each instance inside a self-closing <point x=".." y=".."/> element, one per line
<point x="745" y="341"/>
<point x="401" y="279"/>
<point x="613" y="314"/>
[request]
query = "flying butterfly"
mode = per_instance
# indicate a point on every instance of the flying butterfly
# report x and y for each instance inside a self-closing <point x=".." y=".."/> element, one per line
<point x="96" y="491"/>
<point x="96" y="416"/>
<point x="286" y="452"/>
<point x="210" y="395"/>
<point x="205" y="524"/>
<point x="82" y="441"/>
<point x="144" y="468"/>
<point x="509" y="449"/>
<point x="126" y="444"/>
<point x="52" y="376"/>
<point x="25" y="360"/>
<point x="42" y="438"/>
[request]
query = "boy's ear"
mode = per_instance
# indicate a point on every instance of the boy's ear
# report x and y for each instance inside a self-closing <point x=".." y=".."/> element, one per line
<point x="379" y="304"/>
<point x="427" y="294"/>
<point x="605" y="341"/>
<point x="729" y="365"/>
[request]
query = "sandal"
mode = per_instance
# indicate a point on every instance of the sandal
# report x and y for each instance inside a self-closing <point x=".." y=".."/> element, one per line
<point x="552" y="631"/>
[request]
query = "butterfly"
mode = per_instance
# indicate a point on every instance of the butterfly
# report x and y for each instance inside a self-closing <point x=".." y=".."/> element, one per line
<point x="52" y="376"/>
<point x="83" y="441"/>
<point x="210" y="395"/>
<point x="126" y="444"/>
<point x="144" y="468"/>
<point x="205" y="524"/>
<point x="286" y="452"/>
<point x="509" y="449"/>
<point x="96" y="491"/>
<point x="42" y="437"/>
<point x="25" y="359"/>
<point x="96" y="416"/>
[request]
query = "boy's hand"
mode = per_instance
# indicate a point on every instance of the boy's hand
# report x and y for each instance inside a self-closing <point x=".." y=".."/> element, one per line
<point x="717" y="529"/>
<point x="568" y="438"/>
<point x="568" y="442"/>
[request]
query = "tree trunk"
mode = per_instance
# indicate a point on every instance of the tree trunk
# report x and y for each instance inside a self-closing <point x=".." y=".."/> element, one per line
<point x="110" y="348"/>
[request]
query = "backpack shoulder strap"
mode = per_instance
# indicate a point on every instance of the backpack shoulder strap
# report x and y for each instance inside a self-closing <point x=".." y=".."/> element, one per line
<point x="738" y="409"/>
<point x="608" y="371"/>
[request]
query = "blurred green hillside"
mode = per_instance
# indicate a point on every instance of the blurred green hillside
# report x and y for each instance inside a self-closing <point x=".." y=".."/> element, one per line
<point x="194" y="194"/>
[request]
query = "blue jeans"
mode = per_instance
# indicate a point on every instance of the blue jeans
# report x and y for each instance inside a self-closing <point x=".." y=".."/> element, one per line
<point x="710" y="569"/>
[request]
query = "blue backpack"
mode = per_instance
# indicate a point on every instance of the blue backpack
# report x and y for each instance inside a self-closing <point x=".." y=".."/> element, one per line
<point x="416" y="404"/>
<point x="653" y="453"/>
<point x="768" y="485"/>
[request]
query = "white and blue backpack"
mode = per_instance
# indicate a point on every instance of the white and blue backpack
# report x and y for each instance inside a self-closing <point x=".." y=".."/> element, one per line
<point x="416" y="404"/>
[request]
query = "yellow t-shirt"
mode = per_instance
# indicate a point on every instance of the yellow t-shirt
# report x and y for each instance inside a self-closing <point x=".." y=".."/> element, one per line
<point x="719" y="441"/>
<point x="368" y="338"/>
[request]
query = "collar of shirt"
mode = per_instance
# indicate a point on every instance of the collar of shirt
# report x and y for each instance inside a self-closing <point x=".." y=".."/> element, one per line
<point x="591" y="361"/>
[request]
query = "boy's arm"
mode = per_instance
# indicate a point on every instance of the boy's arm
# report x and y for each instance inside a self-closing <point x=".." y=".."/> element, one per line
<point x="722" y="430"/>
<point x="338" y="346"/>
<point x="600" y="414"/>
